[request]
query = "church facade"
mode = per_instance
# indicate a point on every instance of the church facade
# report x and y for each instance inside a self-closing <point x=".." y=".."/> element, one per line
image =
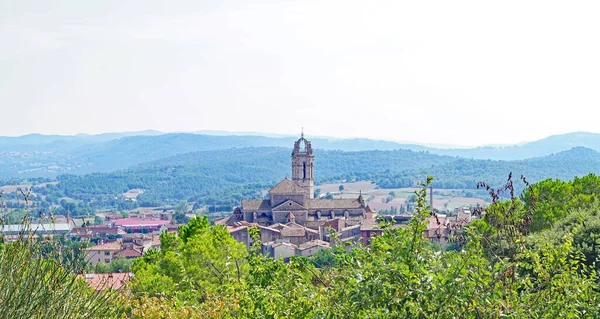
<point x="293" y="200"/>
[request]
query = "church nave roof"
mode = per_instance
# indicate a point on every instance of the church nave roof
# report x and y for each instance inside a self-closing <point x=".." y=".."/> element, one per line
<point x="286" y="186"/>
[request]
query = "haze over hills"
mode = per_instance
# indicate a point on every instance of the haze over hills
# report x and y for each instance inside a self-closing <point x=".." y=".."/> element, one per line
<point x="37" y="155"/>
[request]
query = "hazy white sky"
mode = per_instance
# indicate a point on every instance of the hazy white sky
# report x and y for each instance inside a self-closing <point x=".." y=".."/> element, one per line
<point x="454" y="72"/>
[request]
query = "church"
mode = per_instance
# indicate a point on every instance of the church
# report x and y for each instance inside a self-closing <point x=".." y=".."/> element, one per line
<point x="293" y="200"/>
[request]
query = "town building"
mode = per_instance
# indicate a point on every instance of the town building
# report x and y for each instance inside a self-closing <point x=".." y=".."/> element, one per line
<point x="131" y="246"/>
<point x="37" y="229"/>
<point x="292" y="222"/>
<point x="105" y="233"/>
<point x="296" y="197"/>
<point x="103" y="253"/>
<point x="138" y="225"/>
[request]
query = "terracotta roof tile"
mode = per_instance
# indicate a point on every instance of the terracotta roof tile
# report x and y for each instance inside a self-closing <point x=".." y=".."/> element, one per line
<point x="255" y="204"/>
<point x="239" y="226"/>
<point x="129" y="253"/>
<point x="114" y="246"/>
<point x="107" y="281"/>
<point x="286" y="186"/>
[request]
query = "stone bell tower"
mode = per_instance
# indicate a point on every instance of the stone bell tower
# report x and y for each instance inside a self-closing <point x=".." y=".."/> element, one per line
<point x="303" y="166"/>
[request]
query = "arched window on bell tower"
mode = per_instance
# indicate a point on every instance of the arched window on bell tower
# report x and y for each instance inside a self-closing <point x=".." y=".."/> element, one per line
<point x="303" y="170"/>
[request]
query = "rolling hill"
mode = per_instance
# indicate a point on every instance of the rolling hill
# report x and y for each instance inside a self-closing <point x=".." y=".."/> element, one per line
<point x="48" y="156"/>
<point x="225" y="176"/>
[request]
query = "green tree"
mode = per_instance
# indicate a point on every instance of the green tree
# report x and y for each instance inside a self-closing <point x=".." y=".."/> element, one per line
<point x="182" y="207"/>
<point x="200" y="260"/>
<point x="98" y="220"/>
<point x="554" y="199"/>
<point x="490" y="270"/>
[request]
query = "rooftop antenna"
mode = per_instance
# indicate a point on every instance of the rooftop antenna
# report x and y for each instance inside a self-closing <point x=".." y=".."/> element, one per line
<point x="302" y="132"/>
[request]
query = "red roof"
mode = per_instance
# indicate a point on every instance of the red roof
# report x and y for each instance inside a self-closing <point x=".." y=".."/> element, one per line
<point x="106" y="281"/>
<point x="129" y="253"/>
<point x="112" y="246"/>
<point x="135" y="222"/>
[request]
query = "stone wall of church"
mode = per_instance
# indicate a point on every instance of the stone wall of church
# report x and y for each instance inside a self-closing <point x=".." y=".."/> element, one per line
<point x="255" y="217"/>
<point x="277" y="199"/>
<point x="333" y="213"/>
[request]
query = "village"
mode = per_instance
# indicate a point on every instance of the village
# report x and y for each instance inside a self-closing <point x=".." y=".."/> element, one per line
<point x="290" y="221"/>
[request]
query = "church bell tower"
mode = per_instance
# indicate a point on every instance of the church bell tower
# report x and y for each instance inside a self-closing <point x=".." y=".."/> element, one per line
<point x="303" y="166"/>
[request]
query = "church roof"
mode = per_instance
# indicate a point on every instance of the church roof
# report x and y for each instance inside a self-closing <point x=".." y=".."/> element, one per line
<point x="286" y="187"/>
<point x="255" y="205"/>
<point x="335" y="203"/>
<point x="289" y="205"/>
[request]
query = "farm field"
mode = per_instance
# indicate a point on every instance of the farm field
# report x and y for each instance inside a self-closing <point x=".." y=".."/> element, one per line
<point x="382" y="199"/>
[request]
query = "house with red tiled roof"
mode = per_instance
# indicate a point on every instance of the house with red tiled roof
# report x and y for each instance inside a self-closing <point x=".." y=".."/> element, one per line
<point x="114" y="281"/>
<point x="130" y="247"/>
<point x="103" y="253"/>
<point x="129" y="253"/>
<point x="437" y="228"/>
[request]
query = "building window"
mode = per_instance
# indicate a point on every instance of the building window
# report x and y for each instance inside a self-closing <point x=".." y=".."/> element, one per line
<point x="304" y="170"/>
<point x="107" y="261"/>
<point x="106" y="253"/>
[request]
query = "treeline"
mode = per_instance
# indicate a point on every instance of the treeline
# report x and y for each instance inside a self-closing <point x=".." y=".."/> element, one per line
<point x="222" y="178"/>
<point x="499" y="266"/>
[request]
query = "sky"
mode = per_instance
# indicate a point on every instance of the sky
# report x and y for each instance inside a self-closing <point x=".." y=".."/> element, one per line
<point x="439" y="72"/>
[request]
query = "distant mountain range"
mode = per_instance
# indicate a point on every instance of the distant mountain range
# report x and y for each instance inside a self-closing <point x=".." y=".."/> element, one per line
<point x="38" y="155"/>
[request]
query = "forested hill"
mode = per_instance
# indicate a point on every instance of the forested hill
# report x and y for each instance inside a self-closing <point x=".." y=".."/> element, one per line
<point x="225" y="176"/>
<point x="465" y="173"/>
<point x="49" y="156"/>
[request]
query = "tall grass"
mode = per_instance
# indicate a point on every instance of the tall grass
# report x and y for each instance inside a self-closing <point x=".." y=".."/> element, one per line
<point x="39" y="278"/>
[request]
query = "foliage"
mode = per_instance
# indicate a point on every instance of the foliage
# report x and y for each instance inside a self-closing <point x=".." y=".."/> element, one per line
<point x="117" y="265"/>
<point x="195" y="263"/>
<point x="554" y="199"/>
<point x="161" y="308"/>
<point x="36" y="282"/>
<point x="583" y="225"/>
<point x="220" y="179"/>
<point x="492" y="274"/>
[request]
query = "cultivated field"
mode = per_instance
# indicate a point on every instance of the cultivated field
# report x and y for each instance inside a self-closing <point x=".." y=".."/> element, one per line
<point x="380" y="199"/>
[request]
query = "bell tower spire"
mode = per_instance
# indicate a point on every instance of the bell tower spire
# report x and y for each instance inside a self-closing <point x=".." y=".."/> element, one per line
<point x="303" y="166"/>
